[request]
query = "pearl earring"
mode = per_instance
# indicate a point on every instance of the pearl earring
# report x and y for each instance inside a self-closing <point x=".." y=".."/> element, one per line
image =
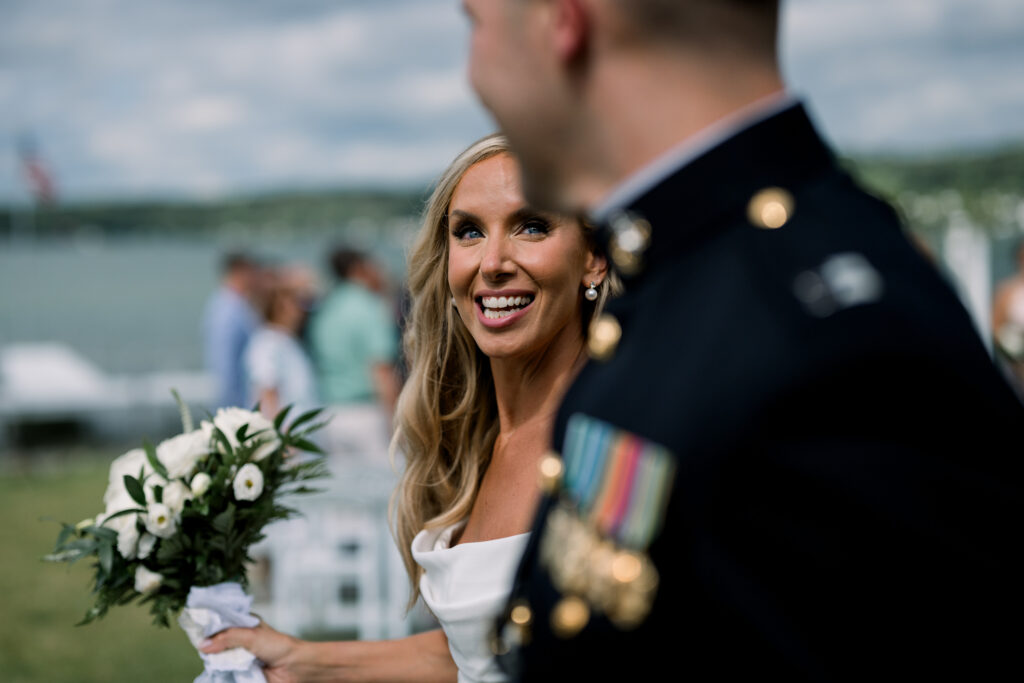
<point x="591" y="291"/>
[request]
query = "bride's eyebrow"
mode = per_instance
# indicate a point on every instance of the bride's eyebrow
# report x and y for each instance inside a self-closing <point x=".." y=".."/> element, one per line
<point x="462" y="215"/>
<point x="527" y="212"/>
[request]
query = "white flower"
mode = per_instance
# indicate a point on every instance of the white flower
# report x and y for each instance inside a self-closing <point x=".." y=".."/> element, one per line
<point x="181" y="453"/>
<point x="131" y="463"/>
<point x="146" y="581"/>
<point x="152" y="481"/>
<point x="200" y="484"/>
<point x="248" y="482"/>
<point x="88" y="521"/>
<point x="175" y="495"/>
<point x="146" y="544"/>
<point x="160" y="521"/>
<point x="229" y="420"/>
<point x="127" y="533"/>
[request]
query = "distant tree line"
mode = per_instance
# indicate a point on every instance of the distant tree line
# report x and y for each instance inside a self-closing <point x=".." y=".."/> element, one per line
<point x="281" y="213"/>
<point x="986" y="188"/>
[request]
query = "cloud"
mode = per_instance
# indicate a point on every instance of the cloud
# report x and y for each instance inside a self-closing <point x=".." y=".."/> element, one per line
<point x="909" y="75"/>
<point x="136" y="97"/>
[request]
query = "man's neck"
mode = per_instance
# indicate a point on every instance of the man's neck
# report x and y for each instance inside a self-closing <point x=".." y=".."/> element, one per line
<point x="640" y="112"/>
<point x="668" y="162"/>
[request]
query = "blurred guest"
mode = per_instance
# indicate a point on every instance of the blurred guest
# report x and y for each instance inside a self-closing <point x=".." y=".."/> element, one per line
<point x="354" y="341"/>
<point x="278" y="368"/>
<point x="1008" y="321"/>
<point x="228" y="322"/>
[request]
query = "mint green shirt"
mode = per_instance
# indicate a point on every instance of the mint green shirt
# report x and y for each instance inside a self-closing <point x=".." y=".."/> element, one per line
<point x="351" y="331"/>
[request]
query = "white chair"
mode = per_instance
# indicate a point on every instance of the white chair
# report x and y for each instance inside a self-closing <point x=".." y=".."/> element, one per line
<point x="336" y="570"/>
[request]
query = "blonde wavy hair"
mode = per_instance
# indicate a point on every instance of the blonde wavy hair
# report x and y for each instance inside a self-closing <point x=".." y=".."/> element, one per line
<point x="446" y="420"/>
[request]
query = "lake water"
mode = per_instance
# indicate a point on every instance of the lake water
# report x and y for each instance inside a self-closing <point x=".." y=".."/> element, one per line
<point x="134" y="305"/>
<point x="129" y="305"/>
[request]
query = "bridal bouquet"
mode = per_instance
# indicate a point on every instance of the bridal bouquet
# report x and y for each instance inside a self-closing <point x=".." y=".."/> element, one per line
<point x="179" y="519"/>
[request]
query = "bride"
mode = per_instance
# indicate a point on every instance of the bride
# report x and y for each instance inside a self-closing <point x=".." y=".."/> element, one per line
<point x="502" y="296"/>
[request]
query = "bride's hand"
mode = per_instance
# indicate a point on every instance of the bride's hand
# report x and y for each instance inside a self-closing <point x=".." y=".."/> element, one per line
<point x="276" y="650"/>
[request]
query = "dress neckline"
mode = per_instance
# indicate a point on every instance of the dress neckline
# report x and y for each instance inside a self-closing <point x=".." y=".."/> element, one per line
<point x="444" y="537"/>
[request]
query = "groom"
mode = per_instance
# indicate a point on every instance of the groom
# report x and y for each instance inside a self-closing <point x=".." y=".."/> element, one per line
<point x="786" y="458"/>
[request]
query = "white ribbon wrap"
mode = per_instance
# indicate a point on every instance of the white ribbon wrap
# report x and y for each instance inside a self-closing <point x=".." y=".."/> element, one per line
<point x="211" y="610"/>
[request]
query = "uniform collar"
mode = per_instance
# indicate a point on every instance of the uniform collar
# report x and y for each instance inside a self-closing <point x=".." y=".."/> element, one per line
<point x="714" y="189"/>
<point x="652" y="173"/>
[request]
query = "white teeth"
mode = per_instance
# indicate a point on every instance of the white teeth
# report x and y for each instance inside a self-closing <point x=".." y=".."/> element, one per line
<point x="494" y="315"/>
<point x="498" y="304"/>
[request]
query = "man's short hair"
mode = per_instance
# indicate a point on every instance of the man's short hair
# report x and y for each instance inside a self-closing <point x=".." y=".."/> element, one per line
<point x="343" y="260"/>
<point x="752" y="24"/>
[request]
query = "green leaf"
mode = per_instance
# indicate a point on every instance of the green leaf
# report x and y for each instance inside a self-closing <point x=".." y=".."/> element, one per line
<point x="218" y="437"/>
<point x="106" y="557"/>
<point x="186" y="414"/>
<point x="249" y="437"/>
<point x="66" y="532"/>
<point x="62" y="556"/>
<point x="134" y="489"/>
<point x="304" y="490"/>
<point x="223" y="522"/>
<point x="305" y="417"/>
<point x="158" y="494"/>
<point x="168" y="551"/>
<point x="311" y="428"/>
<point x="306" y="445"/>
<point x="240" y="432"/>
<point x="279" y="420"/>
<point x="86" y="545"/>
<point x="154" y="462"/>
<point x="90" y="616"/>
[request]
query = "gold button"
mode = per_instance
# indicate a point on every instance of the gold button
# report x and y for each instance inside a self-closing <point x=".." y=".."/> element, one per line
<point x="626" y="567"/>
<point x="569" y="617"/>
<point x="631" y="236"/>
<point x="521" y="615"/>
<point x="770" y="208"/>
<point x="550" y="472"/>
<point x="605" y="333"/>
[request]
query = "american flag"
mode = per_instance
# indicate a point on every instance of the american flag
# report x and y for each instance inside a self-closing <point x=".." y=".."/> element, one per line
<point x="40" y="180"/>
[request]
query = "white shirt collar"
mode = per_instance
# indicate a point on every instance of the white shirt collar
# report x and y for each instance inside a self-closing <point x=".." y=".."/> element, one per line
<point x="681" y="154"/>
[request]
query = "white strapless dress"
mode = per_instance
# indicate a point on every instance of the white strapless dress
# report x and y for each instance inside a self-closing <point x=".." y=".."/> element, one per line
<point x="466" y="587"/>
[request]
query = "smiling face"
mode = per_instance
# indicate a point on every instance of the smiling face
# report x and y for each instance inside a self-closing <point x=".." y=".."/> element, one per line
<point x="517" y="274"/>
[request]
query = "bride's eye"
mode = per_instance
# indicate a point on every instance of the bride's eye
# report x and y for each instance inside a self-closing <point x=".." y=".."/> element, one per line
<point x="536" y="226"/>
<point x="466" y="231"/>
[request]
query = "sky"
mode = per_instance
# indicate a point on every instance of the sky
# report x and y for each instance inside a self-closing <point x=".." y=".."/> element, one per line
<point x="130" y="99"/>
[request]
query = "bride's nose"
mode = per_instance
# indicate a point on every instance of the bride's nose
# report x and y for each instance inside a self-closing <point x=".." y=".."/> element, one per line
<point x="497" y="262"/>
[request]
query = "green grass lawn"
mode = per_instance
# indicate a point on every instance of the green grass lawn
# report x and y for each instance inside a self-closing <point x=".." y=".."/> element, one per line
<point x="40" y="602"/>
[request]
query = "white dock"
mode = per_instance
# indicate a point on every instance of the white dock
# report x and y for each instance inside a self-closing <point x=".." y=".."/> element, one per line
<point x="50" y="382"/>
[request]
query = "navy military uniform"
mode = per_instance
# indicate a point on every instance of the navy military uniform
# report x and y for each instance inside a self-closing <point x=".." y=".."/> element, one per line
<point x="791" y="454"/>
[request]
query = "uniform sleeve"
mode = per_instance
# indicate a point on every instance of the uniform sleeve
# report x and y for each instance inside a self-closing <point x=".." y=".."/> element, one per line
<point x="865" y="546"/>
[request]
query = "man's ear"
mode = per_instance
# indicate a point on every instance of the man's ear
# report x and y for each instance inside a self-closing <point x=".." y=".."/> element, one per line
<point x="571" y="28"/>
